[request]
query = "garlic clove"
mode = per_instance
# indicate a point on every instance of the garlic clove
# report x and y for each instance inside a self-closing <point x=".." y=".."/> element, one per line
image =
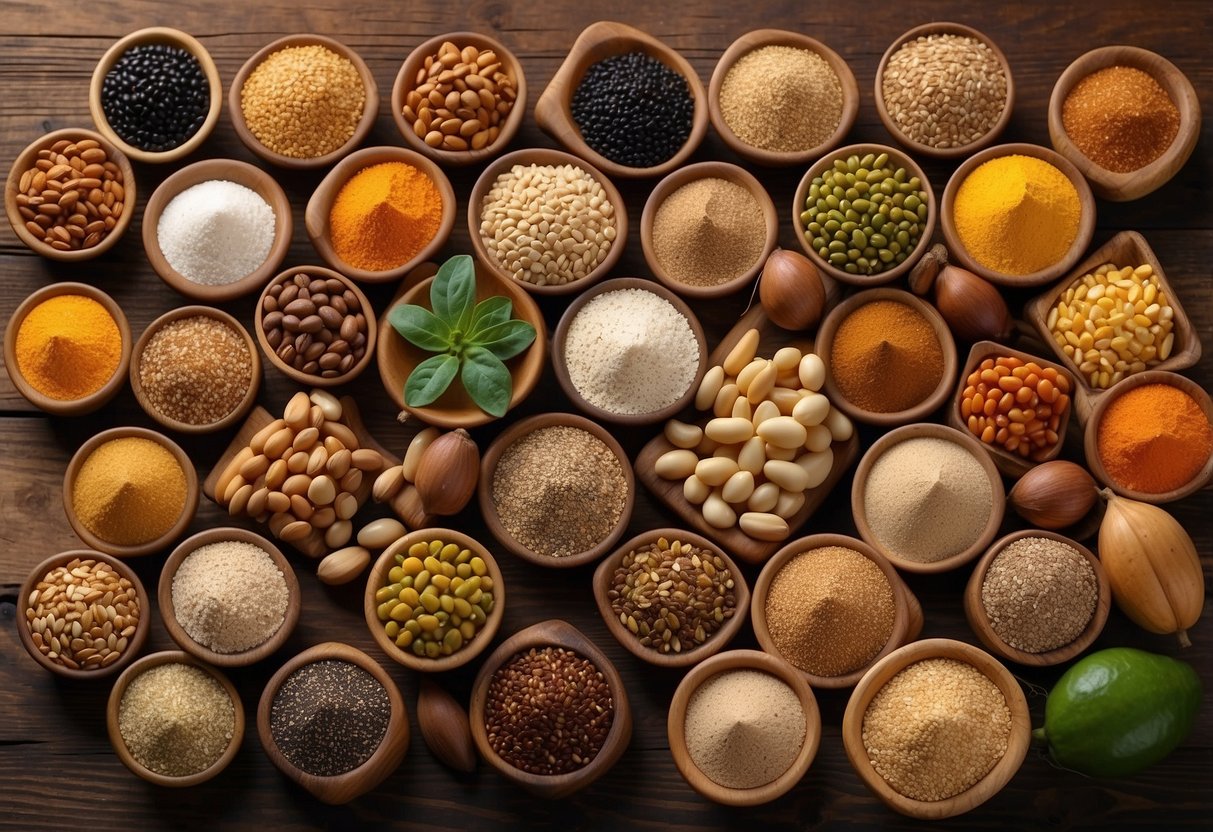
<point x="791" y="291"/>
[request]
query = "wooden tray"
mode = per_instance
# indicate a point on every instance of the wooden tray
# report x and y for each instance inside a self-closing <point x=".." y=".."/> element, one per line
<point x="734" y="540"/>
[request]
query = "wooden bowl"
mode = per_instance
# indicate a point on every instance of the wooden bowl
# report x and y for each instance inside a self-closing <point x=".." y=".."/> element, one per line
<point x="755" y="40"/>
<point x="70" y="407"/>
<point x="676" y="727"/>
<point x="316" y="217"/>
<point x="1129" y="248"/>
<point x="298" y="376"/>
<point x="553" y="633"/>
<point x="455" y="408"/>
<point x="370" y="107"/>
<point x="488" y="469"/>
<point x="890" y="666"/>
<point x="340" y="788"/>
<point x="406" y="82"/>
<point x="133" y="646"/>
<point x="979" y="621"/>
<point x="544" y="156"/>
<point x="242" y="173"/>
<point x="187" y="513"/>
<point x="920" y="411"/>
<point x="1122" y="187"/>
<point x="1091" y="436"/>
<point x="917" y="431"/>
<point x="164" y="598"/>
<point x="684" y="176"/>
<point x="1086" y="221"/>
<point x="605" y="574"/>
<point x="378" y="578"/>
<point x="907" y="614"/>
<point x="168" y="422"/>
<point x="1011" y="464"/>
<point x="119" y="744"/>
<point x="897" y="157"/>
<point x="560" y="364"/>
<point x="26" y="159"/>
<point x="156" y="35"/>
<point x="942" y="28"/>
<point x="606" y="39"/>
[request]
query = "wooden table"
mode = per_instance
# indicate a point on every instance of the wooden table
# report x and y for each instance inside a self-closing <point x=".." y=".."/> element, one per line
<point x="56" y="766"/>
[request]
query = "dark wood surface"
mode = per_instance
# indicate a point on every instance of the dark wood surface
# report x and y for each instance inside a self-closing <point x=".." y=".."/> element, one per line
<point x="56" y="767"/>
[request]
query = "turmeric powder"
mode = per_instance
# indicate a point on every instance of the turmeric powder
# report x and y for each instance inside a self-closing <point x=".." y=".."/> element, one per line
<point x="68" y="347"/>
<point x="384" y="215"/>
<point x="1017" y="214"/>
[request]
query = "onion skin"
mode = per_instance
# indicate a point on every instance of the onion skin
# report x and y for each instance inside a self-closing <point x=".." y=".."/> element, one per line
<point x="448" y="472"/>
<point x="974" y="308"/>
<point x="791" y="291"/>
<point x="1054" y="494"/>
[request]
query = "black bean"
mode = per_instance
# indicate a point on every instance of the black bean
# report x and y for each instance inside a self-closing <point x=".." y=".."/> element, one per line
<point x="155" y="97"/>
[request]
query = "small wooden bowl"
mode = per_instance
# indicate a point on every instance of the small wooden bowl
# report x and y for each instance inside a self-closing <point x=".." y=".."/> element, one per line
<point x="340" y="788"/>
<point x="606" y="39"/>
<point x="141" y="396"/>
<point x="983" y="789"/>
<point x="26" y="159"/>
<point x="377" y="578"/>
<point x="907" y="614"/>
<point x="684" y="176"/>
<point x="488" y="468"/>
<point x="370" y="107"/>
<point x="1013" y="465"/>
<point x="164" y="597"/>
<point x="115" y="734"/>
<point x="676" y="727"/>
<point x="455" y="408"/>
<point x="897" y="157"/>
<point x="962" y="151"/>
<point x="1126" y="248"/>
<point x="298" y="376"/>
<point x="553" y="633"/>
<point x="920" y="411"/>
<point x="187" y="512"/>
<point x="316" y="217"/>
<point x="757" y="39"/>
<point x="544" y="156"/>
<point x="604" y="576"/>
<point x="918" y="431"/>
<point x="133" y="646"/>
<point x="979" y="621"/>
<point x="1091" y="437"/>
<point x="560" y="365"/>
<point x="156" y="35"/>
<point x="406" y="83"/>
<point x="70" y="407"/>
<point x="1122" y="187"/>
<point x="242" y="173"/>
<point x="1086" y="221"/>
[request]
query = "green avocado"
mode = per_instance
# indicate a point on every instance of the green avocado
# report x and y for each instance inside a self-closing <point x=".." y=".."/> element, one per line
<point x="1119" y="711"/>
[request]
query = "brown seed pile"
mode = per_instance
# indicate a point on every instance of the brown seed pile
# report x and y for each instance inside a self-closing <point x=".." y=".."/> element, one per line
<point x="944" y="90"/>
<point x="315" y="325"/>
<point x="548" y="711"/>
<point x="83" y="614"/>
<point x="461" y="98"/>
<point x="196" y="370"/>
<point x="303" y="101"/>
<point x="936" y="728"/>
<point x="559" y="490"/>
<point x="73" y="196"/>
<point x="781" y="98"/>
<point x="1120" y="118"/>
<point x="672" y="596"/>
<point x="830" y="611"/>
<point x="176" y="719"/>
<point x="708" y="232"/>
<point x="1039" y="594"/>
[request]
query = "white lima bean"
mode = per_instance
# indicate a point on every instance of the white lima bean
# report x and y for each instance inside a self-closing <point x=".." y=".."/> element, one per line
<point x="729" y="430"/>
<point x="816" y="466"/>
<point x="783" y="432"/>
<point x="764" y="497"/>
<point x="743" y="352"/>
<point x="715" y="471"/>
<point x="695" y="490"/>
<point x="713" y="380"/>
<point x="812" y="409"/>
<point x="683" y="435"/>
<point x="818" y="438"/>
<point x="752" y="455"/>
<point x="738" y="488"/>
<point x="812" y="372"/>
<point x="764" y="526"/>
<point x="676" y="464"/>
<point x="717" y="512"/>
<point x="788" y="504"/>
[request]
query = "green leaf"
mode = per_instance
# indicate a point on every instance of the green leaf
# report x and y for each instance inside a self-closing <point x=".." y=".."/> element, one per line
<point x="505" y="340"/>
<point x="487" y="381"/>
<point x="490" y="311"/>
<point x="430" y="379"/>
<point x="453" y="292"/>
<point x="420" y="327"/>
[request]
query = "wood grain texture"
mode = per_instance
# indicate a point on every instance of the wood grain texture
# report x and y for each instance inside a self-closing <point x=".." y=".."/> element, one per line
<point x="46" y="60"/>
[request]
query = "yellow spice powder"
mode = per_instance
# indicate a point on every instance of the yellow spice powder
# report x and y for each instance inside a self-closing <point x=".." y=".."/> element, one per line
<point x="129" y="491"/>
